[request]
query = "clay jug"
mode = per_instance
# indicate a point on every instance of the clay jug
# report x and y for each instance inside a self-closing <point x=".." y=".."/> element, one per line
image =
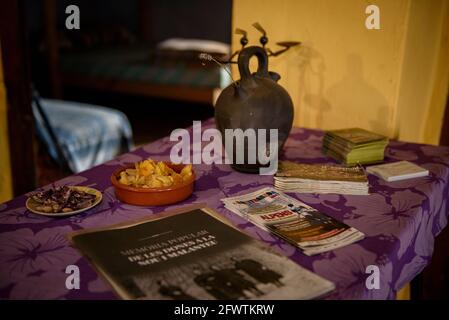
<point x="255" y="101"/>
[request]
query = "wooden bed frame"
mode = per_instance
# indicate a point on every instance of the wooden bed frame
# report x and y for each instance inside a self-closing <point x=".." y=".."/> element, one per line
<point x="59" y="81"/>
<point x="174" y="92"/>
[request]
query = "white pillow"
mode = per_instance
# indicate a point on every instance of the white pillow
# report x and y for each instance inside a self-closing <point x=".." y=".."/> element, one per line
<point x="200" y="45"/>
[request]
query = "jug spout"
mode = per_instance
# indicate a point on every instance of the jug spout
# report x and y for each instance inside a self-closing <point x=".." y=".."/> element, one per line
<point x="274" y="76"/>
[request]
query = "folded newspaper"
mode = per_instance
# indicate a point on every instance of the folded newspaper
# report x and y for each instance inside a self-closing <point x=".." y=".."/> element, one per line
<point x="297" y="223"/>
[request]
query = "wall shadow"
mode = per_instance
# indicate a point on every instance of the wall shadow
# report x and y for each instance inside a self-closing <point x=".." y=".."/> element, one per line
<point x="351" y="102"/>
<point x="361" y="103"/>
<point x="311" y="85"/>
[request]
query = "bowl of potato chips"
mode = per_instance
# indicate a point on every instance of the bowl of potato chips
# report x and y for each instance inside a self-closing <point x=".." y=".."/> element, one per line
<point x="151" y="183"/>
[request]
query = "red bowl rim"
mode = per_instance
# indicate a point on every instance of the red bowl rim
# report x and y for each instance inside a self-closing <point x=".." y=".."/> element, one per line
<point x="119" y="185"/>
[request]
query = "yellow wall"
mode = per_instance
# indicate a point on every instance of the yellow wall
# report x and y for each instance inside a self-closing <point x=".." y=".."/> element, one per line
<point x="424" y="81"/>
<point x="346" y="75"/>
<point x="5" y="168"/>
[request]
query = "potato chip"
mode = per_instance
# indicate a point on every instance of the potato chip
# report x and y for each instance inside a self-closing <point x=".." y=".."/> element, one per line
<point x="151" y="174"/>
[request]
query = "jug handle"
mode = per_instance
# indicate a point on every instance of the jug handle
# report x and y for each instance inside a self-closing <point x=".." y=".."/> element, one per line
<point x="262" y="59"/>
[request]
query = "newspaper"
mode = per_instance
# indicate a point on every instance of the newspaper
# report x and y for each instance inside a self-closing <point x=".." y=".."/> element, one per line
<point x="193" y="253"/>
<point x="299" y="224"/>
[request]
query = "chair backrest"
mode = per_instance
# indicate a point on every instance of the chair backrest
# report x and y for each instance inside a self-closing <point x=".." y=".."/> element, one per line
<point x="62" y="160"/>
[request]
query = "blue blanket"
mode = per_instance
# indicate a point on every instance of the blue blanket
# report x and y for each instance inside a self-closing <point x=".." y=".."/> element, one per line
<point x="88" y="134"/>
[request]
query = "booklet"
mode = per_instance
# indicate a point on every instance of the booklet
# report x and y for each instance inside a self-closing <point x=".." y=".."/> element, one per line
<point x="193" y="254"/>
<point x="320" y="178"/>
<point x="397" y="171"/>
<point x="299" y="224"/>
<point x="355" y="137"/>
<point x="354" y="146"/>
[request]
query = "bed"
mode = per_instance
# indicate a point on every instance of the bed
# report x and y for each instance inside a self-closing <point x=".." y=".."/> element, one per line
<point x="145" y="70"/>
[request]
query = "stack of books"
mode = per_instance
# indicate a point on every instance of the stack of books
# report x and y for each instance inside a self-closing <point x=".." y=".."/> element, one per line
<point x="307" y="228"/>
<point x="320" y="178"/>
<point x="354" y="146"/>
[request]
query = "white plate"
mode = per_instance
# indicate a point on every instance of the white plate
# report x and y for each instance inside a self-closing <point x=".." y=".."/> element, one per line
<point x="31" y="204"/>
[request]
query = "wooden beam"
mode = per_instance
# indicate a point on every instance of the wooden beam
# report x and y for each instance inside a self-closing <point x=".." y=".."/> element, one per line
<point x="444" y="137"/>
<point x="52" y="47"/>
<point x="18" y="94"/>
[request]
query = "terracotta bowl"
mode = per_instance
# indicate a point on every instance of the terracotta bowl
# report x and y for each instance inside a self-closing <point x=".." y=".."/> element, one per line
<point x="153" y="196"/>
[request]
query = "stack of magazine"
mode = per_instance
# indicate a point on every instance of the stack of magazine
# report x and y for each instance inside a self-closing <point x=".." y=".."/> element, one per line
<point x="354" y="146"/>
<point x="320" y="178"/>
<point x="299" y="224"/>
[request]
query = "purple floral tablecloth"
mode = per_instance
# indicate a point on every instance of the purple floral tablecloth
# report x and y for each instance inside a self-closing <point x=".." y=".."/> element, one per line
<point x="400" y="220"/>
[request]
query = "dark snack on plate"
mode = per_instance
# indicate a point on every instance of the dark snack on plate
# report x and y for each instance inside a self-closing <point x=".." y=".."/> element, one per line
<point x="62" y="199"/>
